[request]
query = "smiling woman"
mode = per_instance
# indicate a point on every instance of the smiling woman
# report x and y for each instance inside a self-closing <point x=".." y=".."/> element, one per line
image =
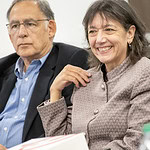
<point x="108" y="40"/>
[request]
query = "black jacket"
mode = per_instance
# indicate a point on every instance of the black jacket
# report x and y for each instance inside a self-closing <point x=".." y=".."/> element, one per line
<point x="60" y="56"/>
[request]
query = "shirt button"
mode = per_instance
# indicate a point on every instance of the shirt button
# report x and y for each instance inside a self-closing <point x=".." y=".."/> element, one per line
<point x="96" y="111"/>
<point x="16" y="117"/>
<point x="22" y="99"/>
<point x="5" y="129"/>
<point x="26" y="79"/>
<point x="103" y="87"/>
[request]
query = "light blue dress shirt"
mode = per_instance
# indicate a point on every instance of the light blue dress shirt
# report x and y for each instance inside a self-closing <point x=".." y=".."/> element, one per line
<point x="13" y="117"/>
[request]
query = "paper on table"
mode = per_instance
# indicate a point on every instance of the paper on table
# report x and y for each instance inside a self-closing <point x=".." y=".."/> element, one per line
<point x="64" y="142"/>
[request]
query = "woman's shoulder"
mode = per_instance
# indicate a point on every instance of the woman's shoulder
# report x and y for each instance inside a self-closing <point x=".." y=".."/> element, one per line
<point x="143" y="63"/>
<point x="142" y="67"/>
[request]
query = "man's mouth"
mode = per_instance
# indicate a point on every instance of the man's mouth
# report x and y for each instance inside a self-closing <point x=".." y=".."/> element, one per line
<point x="24" y="44"/>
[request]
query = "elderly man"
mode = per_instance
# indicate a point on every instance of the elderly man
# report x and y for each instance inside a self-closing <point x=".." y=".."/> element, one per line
<point x="26" y="76"/>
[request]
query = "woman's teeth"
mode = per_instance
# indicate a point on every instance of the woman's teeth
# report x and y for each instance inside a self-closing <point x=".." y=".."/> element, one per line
<point x="104" y="48"/>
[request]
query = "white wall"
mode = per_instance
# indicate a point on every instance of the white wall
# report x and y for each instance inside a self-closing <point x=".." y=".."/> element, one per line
<point x="68" y="16"/>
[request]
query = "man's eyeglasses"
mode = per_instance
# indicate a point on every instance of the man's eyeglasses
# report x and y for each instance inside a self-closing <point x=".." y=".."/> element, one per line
<point x="29" y="24"/>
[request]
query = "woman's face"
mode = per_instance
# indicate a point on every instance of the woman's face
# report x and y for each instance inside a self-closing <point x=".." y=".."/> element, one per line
<point x="108" y="41"/>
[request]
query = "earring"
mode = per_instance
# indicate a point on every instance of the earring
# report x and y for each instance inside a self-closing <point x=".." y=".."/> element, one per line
<point x="130" y="46"/>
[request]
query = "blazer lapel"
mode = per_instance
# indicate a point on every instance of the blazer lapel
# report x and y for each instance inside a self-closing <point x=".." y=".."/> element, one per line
<point x="41" y="89"/>
<point x="7" y="86"/>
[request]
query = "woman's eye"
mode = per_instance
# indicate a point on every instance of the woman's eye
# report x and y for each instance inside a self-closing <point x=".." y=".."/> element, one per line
<point x="92" y="33"/>
<point x="109" y="30"/>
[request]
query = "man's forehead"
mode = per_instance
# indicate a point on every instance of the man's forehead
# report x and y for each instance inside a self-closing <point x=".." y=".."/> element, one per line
<point x="23" y="11"/>
<point x="23" y="20"/>
<point x="25" y="7"/>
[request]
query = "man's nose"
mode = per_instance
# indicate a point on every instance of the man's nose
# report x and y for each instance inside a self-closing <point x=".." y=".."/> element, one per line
<point x="22" y="30"/>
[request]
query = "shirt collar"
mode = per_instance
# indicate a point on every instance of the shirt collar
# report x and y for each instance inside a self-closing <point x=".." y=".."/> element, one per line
<point x="20" y="64"/>
<point x="116" y="71"/>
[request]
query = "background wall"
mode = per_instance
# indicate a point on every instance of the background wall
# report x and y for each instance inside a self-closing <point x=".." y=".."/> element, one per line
<point x="142" y="7"/>
<point x="68" y="16"/>
<point x="143" y="10"/>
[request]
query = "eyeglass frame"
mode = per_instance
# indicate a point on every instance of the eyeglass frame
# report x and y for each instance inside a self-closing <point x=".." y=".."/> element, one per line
<point x="24" y="23"/>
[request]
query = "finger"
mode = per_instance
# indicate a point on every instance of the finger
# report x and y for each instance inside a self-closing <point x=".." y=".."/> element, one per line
<point x="76" y="78"/>
<point x="63" y="80"/>
<point x="77" y="72"/>
<point x="84" y="75"/>
<point x="70" y="80"/>
<point x="77" y="69"/>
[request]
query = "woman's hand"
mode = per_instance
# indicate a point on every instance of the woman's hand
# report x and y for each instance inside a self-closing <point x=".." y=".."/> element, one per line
<point x="2" y="147"/>
<point x="70" y="74"/>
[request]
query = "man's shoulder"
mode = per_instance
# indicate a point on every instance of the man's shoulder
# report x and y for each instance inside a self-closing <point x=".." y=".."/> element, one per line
<point x="66" y="51"/>
<point x="69" y="54"/>
<point x="12" y="57"/>
<point x="63" y="47"/>
<point x="8" y="61"/>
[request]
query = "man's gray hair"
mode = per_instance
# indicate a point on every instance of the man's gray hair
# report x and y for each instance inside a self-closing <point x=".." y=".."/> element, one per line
<point x="42" y="4"/>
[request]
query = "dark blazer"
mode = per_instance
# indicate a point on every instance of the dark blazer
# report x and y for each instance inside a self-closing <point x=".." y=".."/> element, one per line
<point x="60" y="56"/>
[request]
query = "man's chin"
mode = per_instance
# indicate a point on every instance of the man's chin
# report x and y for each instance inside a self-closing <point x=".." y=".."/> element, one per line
<point x="24" y="56"/>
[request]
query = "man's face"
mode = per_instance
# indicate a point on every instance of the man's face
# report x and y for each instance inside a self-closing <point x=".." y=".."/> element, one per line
<point x="33" y="39"/>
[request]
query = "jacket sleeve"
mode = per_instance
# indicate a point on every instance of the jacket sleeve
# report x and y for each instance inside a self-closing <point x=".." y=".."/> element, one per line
<point x="56" y="118"/>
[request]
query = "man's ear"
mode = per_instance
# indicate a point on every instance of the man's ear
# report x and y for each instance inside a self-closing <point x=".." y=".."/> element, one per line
<point x="131" y="33"/>
<point x="52" y="28"/>
<point x="10" y="37"/>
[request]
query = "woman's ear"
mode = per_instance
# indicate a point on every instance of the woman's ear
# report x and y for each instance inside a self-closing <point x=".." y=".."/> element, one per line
<point x="52" y="28"/>
<point x="131" y="33"/>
